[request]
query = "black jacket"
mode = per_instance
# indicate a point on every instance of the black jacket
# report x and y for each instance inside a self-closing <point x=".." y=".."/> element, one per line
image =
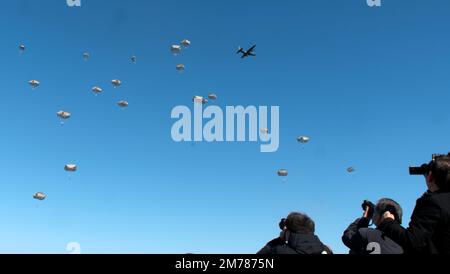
<point x="358" y="236"/>
<point x="429" y="228"/>
<point x="297" y="244"/>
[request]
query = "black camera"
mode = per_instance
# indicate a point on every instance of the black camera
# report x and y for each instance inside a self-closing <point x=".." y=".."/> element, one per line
<point x="426" y="168"/>
<point x="282" y="224"/>
<point x="368" y="204"/>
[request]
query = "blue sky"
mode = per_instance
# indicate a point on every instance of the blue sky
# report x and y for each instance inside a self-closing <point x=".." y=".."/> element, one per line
<point x="370" y="86"/>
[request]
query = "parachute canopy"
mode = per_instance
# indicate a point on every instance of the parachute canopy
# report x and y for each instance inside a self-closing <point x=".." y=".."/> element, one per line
<point x="186" y="43"/>
<point x="70" y="167"/>
<point x="200" y="100"/>
<point x="86" y="56"/>
<point x="212" y="96"/>
<point x="34" y="83"/>
<point x="175" y="49"/>
<point x="282" y="172"/>
<point x="350" y="169"/>
<point x="96" y="90"/>
<point x="116" y="83"/>
<point x="180" y="67"/>
<point x="63" y="114"/>
<point x="22" y="48"/>
<point x="303" y="139"/>
<point x="122" y="103"/>
<point x="39" y="196"/>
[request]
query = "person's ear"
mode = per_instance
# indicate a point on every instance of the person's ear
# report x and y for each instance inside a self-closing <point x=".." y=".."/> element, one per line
<point x="431" y="179"/>
<point x="430" y="176"/>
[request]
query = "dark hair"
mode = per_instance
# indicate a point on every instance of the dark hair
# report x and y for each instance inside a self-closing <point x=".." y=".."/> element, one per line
<point x="441" y="172"/>
<point x="385" y="204"/>
<point x="297" y="222"/>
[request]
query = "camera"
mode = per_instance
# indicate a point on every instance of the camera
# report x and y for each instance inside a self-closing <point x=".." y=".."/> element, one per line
<point x="282" y="224"/>
<point x="371" y="207"/>
<point x="426" y="168"/>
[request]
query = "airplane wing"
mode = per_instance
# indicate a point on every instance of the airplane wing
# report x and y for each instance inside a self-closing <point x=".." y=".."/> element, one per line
<point x="252" y="48"/>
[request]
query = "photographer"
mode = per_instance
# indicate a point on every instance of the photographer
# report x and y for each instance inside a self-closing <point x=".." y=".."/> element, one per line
<point x="297" y="237"/>
<point x="429" y="228"/>
<point x="359" y="237"/>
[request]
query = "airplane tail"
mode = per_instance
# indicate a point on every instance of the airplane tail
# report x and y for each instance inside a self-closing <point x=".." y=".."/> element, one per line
<point x="240" y="50"/>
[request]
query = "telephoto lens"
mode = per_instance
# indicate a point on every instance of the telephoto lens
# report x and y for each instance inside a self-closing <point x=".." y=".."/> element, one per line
<point x="282" y="224"/>
<point x="422" y="170"/>
<point x="371" y="206"/>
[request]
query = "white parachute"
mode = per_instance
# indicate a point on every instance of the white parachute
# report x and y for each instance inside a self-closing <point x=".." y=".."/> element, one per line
<point x="200" y="100"/>
<point x="86" y="56"/>
<point x="63" y="114"/>
<point x="180" y="67"/>
<point x="116" y="83"/>
<point x="22" y="48"/>
<point x="186" y="43"/>
<point x="175" y="49"/>
<point x="71" y="167"/>
<point x="122" y="103"/>
<point x="34" y="83"/>
<point x="96" y="90"/>
<point x="303" y="139"/>
<point x="282" y="172"/>
<point x="39" y="196"/>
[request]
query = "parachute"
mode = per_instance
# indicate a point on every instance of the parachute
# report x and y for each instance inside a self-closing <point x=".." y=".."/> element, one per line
<point x="186" y="43"/>
<point x="350" y="169"/>
<point x="133" y="59"/>
<point x="212" y="96"/>
<point x="63" y="114"/>
<point x="34" y="83"/>
<point x="175" y="49"/>
<point x="122" y="103"/>
<point x="86" y="56"/>
<point x="22" y="48"/>
<point x="39" y="196"/>
<point x="116" y="83"/>
<point x="282" y="172"/>
<point x="200" y="100"/>
<point x="70" y="167"/>
<point x="180" y="67"/>
<point x="96" y="90"/>
<point x="303" y="139"/>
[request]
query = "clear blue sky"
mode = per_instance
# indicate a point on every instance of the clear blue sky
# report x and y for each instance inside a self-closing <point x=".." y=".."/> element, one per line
<point x="370" y="86"/>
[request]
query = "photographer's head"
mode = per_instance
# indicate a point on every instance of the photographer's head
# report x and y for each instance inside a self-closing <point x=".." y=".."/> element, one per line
<point x="297" y="222"/>
<point x="438" y="176"/>
<point x="384" y="205"/>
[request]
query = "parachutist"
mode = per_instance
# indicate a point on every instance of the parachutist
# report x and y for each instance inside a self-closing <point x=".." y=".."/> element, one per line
<point x="175" y="49"/>
<point x="186" y="43"/>
<point x="116" y="83"/>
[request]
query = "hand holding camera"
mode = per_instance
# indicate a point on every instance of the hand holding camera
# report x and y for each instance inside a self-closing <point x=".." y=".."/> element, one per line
<point x="368" y="208"/>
